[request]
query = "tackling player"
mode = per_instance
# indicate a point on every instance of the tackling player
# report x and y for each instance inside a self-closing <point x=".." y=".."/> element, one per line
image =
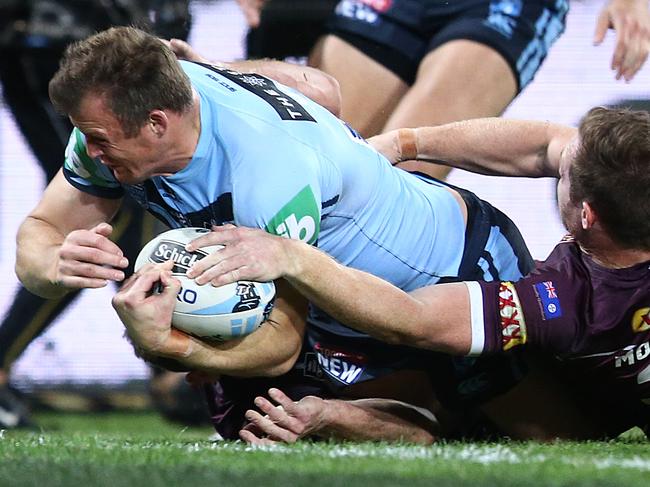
<point x="205" y="145"/>
<point x="588" y="304"/>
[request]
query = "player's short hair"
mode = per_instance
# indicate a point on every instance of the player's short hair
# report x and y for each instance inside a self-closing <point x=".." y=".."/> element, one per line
<point x="134" y="70"/>
<point x="611" y="172"/>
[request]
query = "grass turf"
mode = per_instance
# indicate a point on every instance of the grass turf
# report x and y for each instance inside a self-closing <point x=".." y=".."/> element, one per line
<point x="140" y="449"/>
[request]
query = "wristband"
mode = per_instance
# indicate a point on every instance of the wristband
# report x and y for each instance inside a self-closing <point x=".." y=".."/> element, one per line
<point x="178" y="344"/>
<point x="408" y="144"/>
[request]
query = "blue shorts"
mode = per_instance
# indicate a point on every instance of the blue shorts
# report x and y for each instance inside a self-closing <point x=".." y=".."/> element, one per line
<point x="400" y="33"/>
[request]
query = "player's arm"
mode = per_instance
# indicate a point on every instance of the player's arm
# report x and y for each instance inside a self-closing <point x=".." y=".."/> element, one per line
<point x="631" y="21"/>
<point x="494" y="146"/>
<point x="435" y="317"/>
<point x="311" y="82"/>
<point x="63" y="243"/>
<point x="356" y="420"/>
<point x="271" y="350"/>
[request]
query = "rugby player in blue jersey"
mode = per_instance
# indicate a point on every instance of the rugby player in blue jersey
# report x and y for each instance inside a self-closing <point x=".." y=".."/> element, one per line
<point x="587" y="305"/>
<point x="204" y="145"/>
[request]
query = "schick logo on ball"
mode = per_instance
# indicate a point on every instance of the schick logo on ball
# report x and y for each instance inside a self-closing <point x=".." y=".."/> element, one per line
<point x="168" y="250"/>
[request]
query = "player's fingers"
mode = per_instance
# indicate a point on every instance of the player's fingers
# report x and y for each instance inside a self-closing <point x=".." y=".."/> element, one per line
<point x="76" y="282"/>
<point x="227" y="271"/>
<point x="171" y="285"/>
<point x="142" y="286"/>
<point x="287" y="413"/>
<point x="73" y="268"/>
<point x="104" y="229"/>
<point x="252" y="439"/>
<point x="635" y="69"/>
<point x="217" y="262"/>
<point x="223" y="236"/>
<point x="282" y="399"/>
<point x="602" y="24"/>
<point x="271" y="429"/>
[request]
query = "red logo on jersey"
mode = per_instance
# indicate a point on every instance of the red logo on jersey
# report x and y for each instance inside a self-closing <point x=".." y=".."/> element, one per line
<point x="641" y="320"/>
<point x="378" y="5"/>
<point x="513" y="324"/>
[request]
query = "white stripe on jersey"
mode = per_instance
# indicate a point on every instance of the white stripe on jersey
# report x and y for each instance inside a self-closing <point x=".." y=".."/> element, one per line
<point x="476" y="314"/>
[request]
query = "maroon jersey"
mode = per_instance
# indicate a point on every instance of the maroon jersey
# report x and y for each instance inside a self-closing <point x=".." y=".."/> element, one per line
<point x="595" y="320"/>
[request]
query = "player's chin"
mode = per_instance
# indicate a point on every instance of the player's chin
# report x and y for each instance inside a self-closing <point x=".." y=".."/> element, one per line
<point x="126" y="177"/>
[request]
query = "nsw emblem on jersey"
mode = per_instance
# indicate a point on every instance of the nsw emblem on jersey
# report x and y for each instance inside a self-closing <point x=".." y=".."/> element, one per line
<point x="641" y="320"/>
<point x="513" y="324"/>
<point x="548" y="299"/>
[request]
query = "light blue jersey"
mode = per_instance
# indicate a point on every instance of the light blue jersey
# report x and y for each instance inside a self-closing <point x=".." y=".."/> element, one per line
<point x="270" y="158"/>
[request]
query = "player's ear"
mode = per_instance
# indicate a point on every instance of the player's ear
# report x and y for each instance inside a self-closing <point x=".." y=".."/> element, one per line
<point x="588" y="216"/>
<point x="158" y="122"/>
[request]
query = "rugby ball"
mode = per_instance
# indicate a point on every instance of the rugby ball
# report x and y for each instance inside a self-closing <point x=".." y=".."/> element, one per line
<point x="217" y="313"/>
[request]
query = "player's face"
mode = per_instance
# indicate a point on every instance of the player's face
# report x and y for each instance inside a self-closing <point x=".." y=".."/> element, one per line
<point x="133" y="159"/>
<point x="569" y="211"/>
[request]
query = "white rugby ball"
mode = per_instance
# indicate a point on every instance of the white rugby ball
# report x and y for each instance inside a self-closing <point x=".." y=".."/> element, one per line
<point x="217" y="313"/>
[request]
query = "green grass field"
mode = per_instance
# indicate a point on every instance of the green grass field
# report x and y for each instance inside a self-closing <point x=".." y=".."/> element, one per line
<point x="141" y="450"/>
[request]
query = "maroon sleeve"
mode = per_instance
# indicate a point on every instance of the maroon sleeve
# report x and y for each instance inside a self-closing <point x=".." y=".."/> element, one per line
<point x="540" y="310"/>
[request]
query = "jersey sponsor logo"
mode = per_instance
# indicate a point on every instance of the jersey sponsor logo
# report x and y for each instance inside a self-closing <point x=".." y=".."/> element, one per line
<point x="513" y="324"/>
<point x="183" y="260"/>
<point x="548" y="299"/>
<point x="641" y="320"/>
<point x="359" y="10"/>
<point x="283" y="104"/>
<point x="299" y="219"/>
<point x="632" y="354"/>
<point x="343" y="366"/>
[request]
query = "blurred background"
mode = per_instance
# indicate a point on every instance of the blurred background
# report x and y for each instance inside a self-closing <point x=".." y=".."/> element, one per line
<point x="85" y="347"/>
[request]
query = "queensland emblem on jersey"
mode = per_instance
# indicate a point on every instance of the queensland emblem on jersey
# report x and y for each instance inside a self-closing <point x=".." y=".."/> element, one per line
<point x="641" y="320"/>
<point x="218" y="313"/>
<point x="513" y="324"/>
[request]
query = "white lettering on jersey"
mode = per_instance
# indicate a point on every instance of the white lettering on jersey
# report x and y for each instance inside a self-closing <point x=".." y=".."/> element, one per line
<point x="298" y="230"/>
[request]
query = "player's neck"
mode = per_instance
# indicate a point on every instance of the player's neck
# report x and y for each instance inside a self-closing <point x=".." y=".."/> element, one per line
<point x="617" y="258"/>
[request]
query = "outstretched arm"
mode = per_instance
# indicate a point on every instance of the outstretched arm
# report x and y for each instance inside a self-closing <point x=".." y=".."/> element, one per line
<point x="357" y="420"/>
<point x="311" y="82"/>
<point x="494" y="146"/>
<point x="434" y="317"/>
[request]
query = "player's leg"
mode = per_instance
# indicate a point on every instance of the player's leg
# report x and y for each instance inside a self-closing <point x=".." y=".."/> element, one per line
<point x="477" y="63"/>
<point x="370" y="91"/>
<point x="459" y="80"/>
<point x="373" y="49"/>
